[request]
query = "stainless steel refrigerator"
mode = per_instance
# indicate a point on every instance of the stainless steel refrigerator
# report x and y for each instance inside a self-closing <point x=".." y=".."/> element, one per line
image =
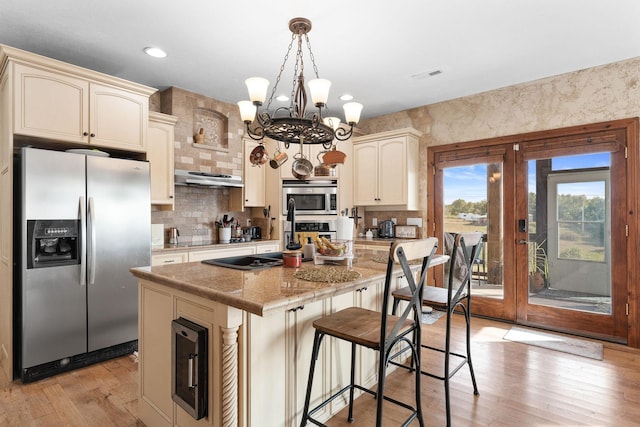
<point x="84" y="222"/>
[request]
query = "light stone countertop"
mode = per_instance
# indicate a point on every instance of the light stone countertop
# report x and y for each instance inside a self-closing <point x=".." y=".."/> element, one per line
<point x="205" y="246"/>
<point x="261" y="292"/>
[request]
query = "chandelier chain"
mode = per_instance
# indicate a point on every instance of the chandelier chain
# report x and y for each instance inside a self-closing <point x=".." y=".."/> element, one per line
<point x="313" y="60"/>
<point x="298" y="65"/>
<point x="286" y="57"/>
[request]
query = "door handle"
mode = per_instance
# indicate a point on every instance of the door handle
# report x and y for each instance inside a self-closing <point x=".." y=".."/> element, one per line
<point x="92" y="242"/>
<point x="83" y="242"/>
<point x="523" y="242"/>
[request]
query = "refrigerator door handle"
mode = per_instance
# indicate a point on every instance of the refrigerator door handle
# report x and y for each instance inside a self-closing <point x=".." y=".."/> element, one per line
<point x="92" y="243"/>
<point x="83" y="242"/>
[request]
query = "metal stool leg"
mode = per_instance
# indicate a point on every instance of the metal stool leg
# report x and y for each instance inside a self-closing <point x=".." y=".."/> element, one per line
<point x="317" y="340"/>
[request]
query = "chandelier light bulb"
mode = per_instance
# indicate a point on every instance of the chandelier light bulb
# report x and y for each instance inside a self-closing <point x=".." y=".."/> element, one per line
<point x="332" y="122"/>
<point x="257" y="87"/>
<point x="247" y="111"/>
<point x="352" y="112"/>
<point x="319" y="89"/>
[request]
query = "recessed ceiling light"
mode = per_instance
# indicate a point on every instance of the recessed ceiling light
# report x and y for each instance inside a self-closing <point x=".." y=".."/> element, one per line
<point x="282" y="98"/>
<point x="346" y="97"/>
<point x="156" y="52"/>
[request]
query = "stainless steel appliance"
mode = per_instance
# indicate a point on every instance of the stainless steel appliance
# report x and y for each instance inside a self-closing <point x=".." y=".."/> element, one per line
<point x="174" y="236"/>
<point x="309" y="228"/>
<point x="385" y="229"/>
<point x="312" y="197"/>
<point x="204" y="179"/>
<point x="189" y="367"/>
<point x="84" y="221"/>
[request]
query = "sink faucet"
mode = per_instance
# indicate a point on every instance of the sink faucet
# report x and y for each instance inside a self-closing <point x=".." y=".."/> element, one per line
<point x="291" y="216"/>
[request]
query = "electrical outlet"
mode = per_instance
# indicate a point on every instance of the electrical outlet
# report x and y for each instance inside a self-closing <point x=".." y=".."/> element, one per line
<point x="374" y="222"/>
<point x="414" y="221"/>
<point x="248" y="222"/>
<point x="394" y="220"/>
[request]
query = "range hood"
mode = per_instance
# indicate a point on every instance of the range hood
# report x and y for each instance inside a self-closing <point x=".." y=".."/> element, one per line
<point x="203" y="179"/>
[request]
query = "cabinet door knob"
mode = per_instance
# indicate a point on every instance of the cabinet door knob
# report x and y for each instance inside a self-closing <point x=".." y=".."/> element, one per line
<point x="93" y="135"/>
<point x="85" y="133"/>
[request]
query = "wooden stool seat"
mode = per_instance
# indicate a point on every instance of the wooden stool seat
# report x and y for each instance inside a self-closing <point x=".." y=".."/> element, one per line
<point x="431" y="296"/>
<point x="358" y="325"/>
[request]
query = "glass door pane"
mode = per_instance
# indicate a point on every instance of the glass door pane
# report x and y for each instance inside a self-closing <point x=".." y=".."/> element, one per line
<point x="569" y="233"/>
<point x="473" y="200"/>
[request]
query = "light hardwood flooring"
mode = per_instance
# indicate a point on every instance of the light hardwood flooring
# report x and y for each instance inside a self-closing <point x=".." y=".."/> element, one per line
<point x="520" y="385"/>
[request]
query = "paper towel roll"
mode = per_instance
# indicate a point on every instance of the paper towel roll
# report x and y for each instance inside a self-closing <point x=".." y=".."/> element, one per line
<point x="344" y="229"/>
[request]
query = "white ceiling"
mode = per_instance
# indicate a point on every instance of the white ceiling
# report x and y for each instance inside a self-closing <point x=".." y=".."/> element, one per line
<point x="369" y="48"/>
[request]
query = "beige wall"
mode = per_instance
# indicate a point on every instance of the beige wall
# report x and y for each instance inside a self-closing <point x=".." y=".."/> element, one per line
<point x="593" y="95"/>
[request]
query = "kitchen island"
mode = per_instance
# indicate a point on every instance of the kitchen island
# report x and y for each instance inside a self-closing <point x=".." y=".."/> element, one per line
<point x="260" y="334"/>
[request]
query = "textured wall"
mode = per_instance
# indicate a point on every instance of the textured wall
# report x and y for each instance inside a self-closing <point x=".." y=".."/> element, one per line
<point x="222" y="150"/>
<point x="593" y="95"/>
<point x="196" y="209"/>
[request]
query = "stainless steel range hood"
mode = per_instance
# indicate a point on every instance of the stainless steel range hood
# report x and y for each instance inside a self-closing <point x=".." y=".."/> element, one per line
<point x="203" y="179"/>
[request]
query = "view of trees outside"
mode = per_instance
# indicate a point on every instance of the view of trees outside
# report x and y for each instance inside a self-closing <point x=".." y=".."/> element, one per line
<point x="581" y="223"/>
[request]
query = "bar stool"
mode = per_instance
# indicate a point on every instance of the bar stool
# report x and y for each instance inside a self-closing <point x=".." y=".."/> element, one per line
<point x="378" y="331"/>
<point x="465" y="250"/>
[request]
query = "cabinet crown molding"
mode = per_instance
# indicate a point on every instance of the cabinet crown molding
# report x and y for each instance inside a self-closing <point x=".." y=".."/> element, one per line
<point x="8" y="53"/>
<point x="388" y="134"/>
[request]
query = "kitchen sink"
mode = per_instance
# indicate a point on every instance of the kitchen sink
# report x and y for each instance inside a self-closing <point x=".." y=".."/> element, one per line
<point x="248" y="262"/>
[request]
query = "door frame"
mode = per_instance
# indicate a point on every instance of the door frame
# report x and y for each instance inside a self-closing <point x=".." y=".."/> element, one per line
<point x="627" y="128"/>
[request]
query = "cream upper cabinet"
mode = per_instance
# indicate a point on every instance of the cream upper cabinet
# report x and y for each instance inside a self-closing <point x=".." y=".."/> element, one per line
<point x="254" y="178"/>
<point x="50" y="105"/>
<point x="117" y="118"/>
<point x="60" y="106"/>
<point x="160" y="155"/>
<point x="385" y="169"/>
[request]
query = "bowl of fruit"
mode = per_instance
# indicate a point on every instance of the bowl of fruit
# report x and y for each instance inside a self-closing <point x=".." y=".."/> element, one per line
<point x="333" y="248"/>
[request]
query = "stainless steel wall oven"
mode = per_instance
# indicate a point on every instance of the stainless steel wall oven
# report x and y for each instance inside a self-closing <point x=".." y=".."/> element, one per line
<point x="311" y="197"/>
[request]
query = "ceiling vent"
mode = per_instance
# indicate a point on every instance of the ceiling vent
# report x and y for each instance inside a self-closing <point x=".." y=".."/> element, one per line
<point x="426" y="74"/>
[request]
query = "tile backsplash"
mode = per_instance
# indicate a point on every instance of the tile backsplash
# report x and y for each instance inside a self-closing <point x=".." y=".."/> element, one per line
<point x="195" y="213"/>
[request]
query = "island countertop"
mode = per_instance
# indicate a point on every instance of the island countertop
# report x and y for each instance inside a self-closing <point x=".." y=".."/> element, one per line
<point x="265" y="291"/>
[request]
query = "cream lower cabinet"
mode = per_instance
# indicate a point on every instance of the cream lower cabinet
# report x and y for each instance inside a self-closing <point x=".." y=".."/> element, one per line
<point x="385" y="169"/>
<point x="169" y="258"/>
<point x="164" y="258"/>
<point x="61" y="106"/>
<point x="221" y="253"/>
<point x="158" y="307"/>
<point x="264" y="248"/>
<point x="160" y="156"/>
<point x="279" y="358"/>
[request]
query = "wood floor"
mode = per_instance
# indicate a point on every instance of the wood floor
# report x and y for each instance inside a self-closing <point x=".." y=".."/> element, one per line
<point x="520" y="385"/>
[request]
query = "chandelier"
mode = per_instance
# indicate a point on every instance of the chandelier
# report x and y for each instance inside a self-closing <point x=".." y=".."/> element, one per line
<point x="293" y="124"/>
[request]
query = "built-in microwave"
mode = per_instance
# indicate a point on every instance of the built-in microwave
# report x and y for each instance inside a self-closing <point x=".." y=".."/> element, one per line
<point x="311" y="197"/>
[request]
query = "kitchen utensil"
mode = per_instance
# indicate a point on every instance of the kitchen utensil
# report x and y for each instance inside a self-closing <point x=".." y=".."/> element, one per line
<point x="258" y="155"/>
<point x="174" y="235"/>
<point x="321" y="169"/>
<point x="301" y="167"/>
<point x="279" y="158"/>
<point x="334" y="157"/>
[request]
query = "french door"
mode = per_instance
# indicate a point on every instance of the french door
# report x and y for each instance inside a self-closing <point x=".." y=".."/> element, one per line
<point x="571" y="241"/>
<point x="553" y="213"/>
